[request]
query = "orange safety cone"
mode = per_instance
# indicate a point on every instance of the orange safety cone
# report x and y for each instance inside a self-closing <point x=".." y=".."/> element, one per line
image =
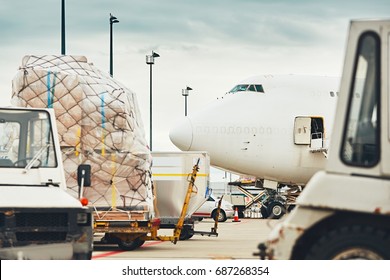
<point x="236" y="219"/>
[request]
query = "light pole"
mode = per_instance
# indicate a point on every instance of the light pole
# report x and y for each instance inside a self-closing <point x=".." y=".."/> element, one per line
<point x="63" y="27"/>
<point x="150" y="61"/>
<point x="112" y="21"/>
<point x="185" y="93"/>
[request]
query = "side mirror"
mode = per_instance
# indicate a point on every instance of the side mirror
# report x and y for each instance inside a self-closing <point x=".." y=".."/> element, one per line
<point x="84" y="175"/>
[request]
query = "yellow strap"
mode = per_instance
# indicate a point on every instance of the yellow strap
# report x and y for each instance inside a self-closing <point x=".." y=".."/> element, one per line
<point x="113" y="192"/>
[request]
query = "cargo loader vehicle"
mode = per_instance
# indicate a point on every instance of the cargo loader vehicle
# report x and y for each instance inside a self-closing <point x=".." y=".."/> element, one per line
<point x="39" y="219"/>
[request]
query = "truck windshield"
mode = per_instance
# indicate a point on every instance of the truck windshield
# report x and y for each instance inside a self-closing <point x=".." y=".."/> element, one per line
<point x="361" y="139"/>
<point x="26" y="139"/>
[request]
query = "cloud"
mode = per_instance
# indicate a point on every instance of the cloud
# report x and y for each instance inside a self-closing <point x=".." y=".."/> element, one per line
<point x="243" y="22"/>
<point x="206" y="44"/>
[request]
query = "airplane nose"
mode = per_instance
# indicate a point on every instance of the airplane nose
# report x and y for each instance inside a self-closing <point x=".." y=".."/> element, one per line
<point x="181" y="134"/>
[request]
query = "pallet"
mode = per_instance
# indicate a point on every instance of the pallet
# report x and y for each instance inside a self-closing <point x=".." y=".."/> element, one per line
<point x="116" y="215"/>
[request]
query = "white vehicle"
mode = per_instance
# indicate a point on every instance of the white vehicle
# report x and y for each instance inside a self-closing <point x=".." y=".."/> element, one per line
<point x="209" y="210"/>
<point x="274" y="128"/>
<point x="343" y="212"/>
<point x="38" y="218"/>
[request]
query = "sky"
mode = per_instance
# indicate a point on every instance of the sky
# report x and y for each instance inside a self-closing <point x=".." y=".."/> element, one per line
<point x="208" y="45"/>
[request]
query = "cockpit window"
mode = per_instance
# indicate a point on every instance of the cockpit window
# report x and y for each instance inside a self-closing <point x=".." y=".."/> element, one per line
<point x="259" y="88"/>
<point x="246" y="87"/>
<point x="239" y="88"/>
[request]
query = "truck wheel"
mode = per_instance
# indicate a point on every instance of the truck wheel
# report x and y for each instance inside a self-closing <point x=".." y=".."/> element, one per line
<point x="276" y="210"/>
<point x="290" y="207"/>
<point x="83" y="256"/>
<point x="222" y="216"/>
<point x="185" y="234"/>
<point x="264" y="212"/>
<point x="190" y="236"/>
<point x="351" y="243"/>
<point x="130" y="245"/>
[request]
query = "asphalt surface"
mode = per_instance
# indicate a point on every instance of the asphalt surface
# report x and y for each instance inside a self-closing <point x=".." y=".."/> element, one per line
<point x="236" y="240"/>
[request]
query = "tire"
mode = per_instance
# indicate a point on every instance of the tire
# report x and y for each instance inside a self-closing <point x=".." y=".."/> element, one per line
<point x="276" y="210"/>
<point x="83" y="256"/>
<point x="290" y="208"/>
<point x="222" y="216"/>
<point x="264" y="212"/>
<point x="130" y="245"/>
<point x="190" y="236"/>
<point x="351" y="243"/>
<point x="185" y="234"/>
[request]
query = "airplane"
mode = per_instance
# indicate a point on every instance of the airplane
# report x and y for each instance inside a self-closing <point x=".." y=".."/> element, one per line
<point x="272" y="127"/>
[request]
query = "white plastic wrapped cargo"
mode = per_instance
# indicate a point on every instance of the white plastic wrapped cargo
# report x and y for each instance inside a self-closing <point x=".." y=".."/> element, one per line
<point x="171" y="173"/>
<point x="99" y="123"/>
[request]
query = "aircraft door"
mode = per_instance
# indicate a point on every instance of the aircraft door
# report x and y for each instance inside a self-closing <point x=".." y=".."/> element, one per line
<point x="302" y="127"/>
<point x="309" y="131"/>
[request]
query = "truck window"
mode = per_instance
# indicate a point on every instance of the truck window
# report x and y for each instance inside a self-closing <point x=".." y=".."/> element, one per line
<point x="9" y="131"/>
<point x="26" y="137"/>
<point x="40" y="141"/>
<point x="361" y="133"/>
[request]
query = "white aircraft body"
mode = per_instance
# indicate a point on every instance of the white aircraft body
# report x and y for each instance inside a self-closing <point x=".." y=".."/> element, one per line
<point x="269" y="127"/>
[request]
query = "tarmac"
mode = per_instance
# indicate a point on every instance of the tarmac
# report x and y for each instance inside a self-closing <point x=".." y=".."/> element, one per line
<point x="235" y="240"/>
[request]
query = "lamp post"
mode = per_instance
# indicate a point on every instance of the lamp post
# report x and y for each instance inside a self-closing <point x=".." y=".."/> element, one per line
<point x="150" y="61"/>
<point x="112" y="21"/>
<point x="185" y="93"/>
<point x="63" y="27"/>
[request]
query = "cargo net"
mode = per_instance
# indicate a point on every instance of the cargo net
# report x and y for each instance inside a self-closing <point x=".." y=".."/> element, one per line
<point x="98" y="122"/>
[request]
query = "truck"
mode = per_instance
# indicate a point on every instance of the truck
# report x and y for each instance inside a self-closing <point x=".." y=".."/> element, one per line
<point x="344" y="210"/>
<point x="38" y="218"/>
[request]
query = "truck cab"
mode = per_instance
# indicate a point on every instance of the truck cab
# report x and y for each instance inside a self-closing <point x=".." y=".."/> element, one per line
<point x="38" y="218"/>
<point x="344" y="211"/>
